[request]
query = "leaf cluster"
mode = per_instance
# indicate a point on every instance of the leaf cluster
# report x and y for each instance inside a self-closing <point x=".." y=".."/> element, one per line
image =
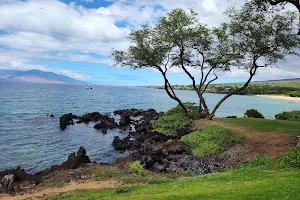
<point x="290" y="116"/>
<point x="210" y="141"/>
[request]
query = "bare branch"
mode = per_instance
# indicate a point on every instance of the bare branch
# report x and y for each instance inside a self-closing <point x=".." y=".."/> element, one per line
<point x="216" y="77"/>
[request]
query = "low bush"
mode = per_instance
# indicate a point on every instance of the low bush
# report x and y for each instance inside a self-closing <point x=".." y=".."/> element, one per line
<point x="175" y="121"/>
<point x="290" y="116"/>
<point x="172" y="122"/>
<point x="261" y="162"/>
<point x="138" y="168"/>
<point x="252" y="113"/>
<point x="211" y="140"/>
<point x="294" y="94"/>
<point x="291" y="159"/>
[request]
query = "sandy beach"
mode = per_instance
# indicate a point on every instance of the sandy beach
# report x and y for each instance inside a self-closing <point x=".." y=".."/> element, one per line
<point x="285" y="98"/>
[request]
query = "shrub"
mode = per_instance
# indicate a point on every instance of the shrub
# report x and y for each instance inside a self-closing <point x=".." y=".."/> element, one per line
<point x="172" y="122"/>
<point x="252" y="113"/>
<point x="175" y="120"/>
<point x="294" y="94"/>
<point x="193" y="111"/>
<point x="291" y="159"/>
<point x="290" y="116"/>
<point x="211" y="140"/>
<point x="138" y="168"/>
<point x="261" y="162"/>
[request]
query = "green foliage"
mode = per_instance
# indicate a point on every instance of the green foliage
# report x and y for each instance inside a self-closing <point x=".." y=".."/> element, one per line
<point x="261" y="162"/>
<point x="252" y="113"/>
<point x="291" y="159"/>
<point x="229" y="185"/>
<point x="211" y="140"/>
<point x="145" y="179"/>
<point x="179" y="39"/>
<point x="138" y="168"/>
<point x="294" y="94"/>
<point x="266" y="125"/>
<point x="282" y="87"/>
<point x="123" y="189"/>
<point x="106" y="174"/>
<point x="172" y="122"/>
<point x="290" y="116"/>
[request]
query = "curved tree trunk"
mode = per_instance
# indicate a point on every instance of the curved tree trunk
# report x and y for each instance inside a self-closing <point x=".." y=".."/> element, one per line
<point x="252" y="73"/>
<point x="173" y="95"/>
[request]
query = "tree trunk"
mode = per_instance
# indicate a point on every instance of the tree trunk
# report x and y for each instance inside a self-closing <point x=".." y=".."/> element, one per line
<point x="173" y="96"/>
<point x="252" y="73"/>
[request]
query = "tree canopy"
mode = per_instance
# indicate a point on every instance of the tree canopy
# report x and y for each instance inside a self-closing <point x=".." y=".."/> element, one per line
<point x="253" y="38"/>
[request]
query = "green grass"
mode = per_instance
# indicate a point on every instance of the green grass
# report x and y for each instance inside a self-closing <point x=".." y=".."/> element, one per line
<point x="107" y="174"/>
<point x="246" y="185"/>
<point x="265" y="125"/>
<point x="211" y="140"/>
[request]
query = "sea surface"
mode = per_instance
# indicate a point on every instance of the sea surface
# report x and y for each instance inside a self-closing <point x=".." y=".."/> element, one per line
<point x="31" y="139"/>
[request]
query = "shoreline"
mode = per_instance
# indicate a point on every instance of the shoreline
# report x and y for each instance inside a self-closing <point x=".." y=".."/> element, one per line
<point x="280" y="97"/>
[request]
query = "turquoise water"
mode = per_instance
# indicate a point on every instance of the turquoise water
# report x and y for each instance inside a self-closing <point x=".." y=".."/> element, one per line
<point x="34" y="141"/>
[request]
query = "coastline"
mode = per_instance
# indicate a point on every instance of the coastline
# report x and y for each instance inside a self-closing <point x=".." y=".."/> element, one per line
<point x="280" y="97"/>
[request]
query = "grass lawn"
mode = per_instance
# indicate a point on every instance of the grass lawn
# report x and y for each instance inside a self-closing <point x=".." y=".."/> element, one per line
<point x="266" y="125"/>
<point x="247" y="184"/>
<point x="250" y="184"/>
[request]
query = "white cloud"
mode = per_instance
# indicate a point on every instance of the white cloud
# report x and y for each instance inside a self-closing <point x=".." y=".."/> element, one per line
<point x="53" y="30"/>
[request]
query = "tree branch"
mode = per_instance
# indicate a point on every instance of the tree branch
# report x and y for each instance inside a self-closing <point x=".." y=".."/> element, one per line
<point x="216" y="77"/>
<point x="252" y="73"/>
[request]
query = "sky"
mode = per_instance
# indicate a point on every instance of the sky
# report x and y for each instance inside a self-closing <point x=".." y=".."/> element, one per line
<point x="75" y="38"/>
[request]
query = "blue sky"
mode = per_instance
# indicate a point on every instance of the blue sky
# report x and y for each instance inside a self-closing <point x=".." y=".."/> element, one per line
<point x="75" y="38"/>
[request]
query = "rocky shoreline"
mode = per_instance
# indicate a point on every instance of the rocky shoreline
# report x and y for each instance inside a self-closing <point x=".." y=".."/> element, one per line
<point x="157" y="152"/>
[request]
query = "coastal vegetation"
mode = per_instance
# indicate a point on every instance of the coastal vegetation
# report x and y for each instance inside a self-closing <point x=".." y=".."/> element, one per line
<point x="249" y="153"/>
<point x="252" y="183"/>
<point x="210" y="141"/>
<point x="252" y="113"/>
<point x="271" y="174"/>
<point x="265" y="125"/>
<point x="282" y="87"/>
<point x="180" y="41"/>
<point x="175" y="121"/>
<point x="179" y="154"/>
<point x="290" y="116"/>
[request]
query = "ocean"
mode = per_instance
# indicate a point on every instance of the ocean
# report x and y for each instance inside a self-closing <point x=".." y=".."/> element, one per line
<point x="31" y="139"/>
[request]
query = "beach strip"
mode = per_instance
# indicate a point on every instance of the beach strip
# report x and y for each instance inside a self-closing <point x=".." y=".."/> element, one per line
<point x="284" y="98"/>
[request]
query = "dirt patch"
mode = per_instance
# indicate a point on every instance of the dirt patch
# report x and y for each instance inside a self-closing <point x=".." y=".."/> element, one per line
<point x="87" y="185"/>
<point x="256" y="143"/>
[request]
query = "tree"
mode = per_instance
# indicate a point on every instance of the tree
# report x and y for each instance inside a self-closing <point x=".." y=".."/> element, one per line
<point x="262" y="4"/>
<point x="148" y="51"/>
<point x="179" y="40"/>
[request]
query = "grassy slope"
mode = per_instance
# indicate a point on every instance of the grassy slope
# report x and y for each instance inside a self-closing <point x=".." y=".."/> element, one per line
<point x="264" y="125"/>
<point x="280" y="83"/>
<point x="249" y="184"/>
<point x="228" y="185"/>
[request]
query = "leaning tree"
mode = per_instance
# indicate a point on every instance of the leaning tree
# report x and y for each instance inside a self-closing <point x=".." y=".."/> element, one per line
<point x="180" y="40"/>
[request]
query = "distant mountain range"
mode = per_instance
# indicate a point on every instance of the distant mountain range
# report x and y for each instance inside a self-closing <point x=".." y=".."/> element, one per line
<point x="36" y="76"/>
